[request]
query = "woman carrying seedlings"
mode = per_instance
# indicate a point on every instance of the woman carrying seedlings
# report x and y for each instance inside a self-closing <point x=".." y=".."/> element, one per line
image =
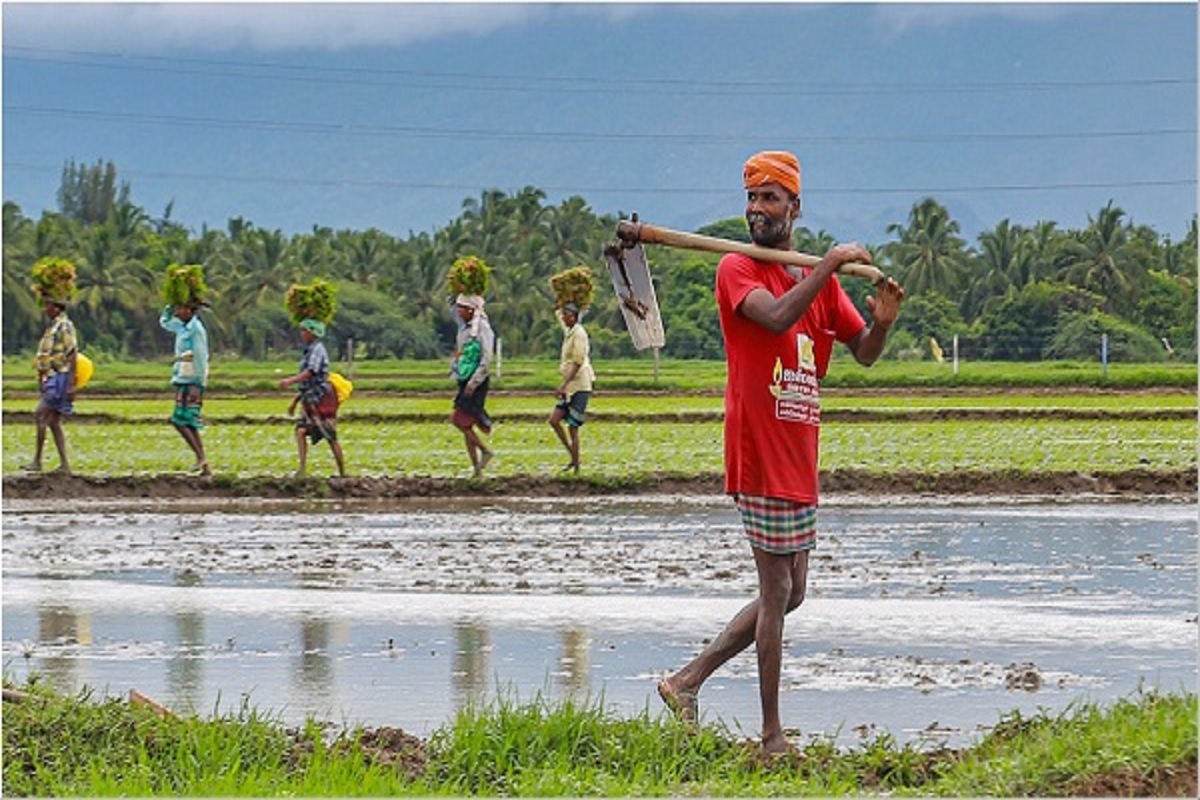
<point x="574" y="290"/>
<point x="54" y="285"/>
<point x="474" y="347"/>
<point x="184" y="291"/>
<point x="312" y="308"/>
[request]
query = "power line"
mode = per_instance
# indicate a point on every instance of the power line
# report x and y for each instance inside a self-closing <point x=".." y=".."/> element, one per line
<point x="578" y="190"/>
<point x="265" y="70"/>
<point x="327" y="128"/>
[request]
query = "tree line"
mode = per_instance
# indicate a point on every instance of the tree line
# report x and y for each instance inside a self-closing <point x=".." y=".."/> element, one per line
<point x="1016" y="293"/>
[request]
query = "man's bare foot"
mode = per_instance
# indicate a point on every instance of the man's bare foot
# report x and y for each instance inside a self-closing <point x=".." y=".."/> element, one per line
<point x="201" y="468"/>
<point x="484" y="458"/>
<point x="33" y="466"/>
<point x="683" y="703"/>
<point x="776" y="747"/>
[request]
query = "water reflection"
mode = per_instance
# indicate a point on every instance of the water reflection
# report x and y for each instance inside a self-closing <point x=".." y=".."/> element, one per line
<point x="1097" y="599"/>
<point x="314" y="674"/>
<point x="573" y="664"/>
<point x="185" y="668"/>
<point x="469" y="668"/>
<point x="64" y="630"/>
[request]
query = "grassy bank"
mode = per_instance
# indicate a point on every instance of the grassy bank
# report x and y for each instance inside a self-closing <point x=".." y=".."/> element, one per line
<point x="614" y="405"/>
<point x="55" y="745"/>
<point x="635" y="374"/>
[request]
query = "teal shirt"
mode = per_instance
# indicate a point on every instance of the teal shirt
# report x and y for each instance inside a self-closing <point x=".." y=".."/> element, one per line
<point x="189" y="336"/>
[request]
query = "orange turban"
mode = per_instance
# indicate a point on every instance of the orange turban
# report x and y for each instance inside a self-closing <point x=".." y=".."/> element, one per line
<point x="773" y="166"/>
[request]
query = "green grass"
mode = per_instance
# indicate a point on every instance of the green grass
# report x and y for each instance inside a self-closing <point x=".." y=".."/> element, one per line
<point x="630" y="435"/>
<point x="1085" y="747"/>
<point x="78" y="745"/>
<point x="233" y="375"/>
<point x="628" y="450"/>
<point x="610" y="405"/>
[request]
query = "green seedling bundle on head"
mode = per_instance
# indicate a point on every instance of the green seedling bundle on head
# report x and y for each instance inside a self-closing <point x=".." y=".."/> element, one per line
<point x="575" y="285"/>
<point x="311" y="301"/>
<point x="184" y="285"/>
<point x="54" y="279"/>
<point x="469" y="275"/>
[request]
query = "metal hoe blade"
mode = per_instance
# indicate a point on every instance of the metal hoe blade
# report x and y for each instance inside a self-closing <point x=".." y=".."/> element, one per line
<point x="631" y="281"/>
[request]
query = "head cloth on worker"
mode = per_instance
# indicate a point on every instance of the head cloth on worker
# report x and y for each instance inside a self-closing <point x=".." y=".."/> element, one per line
<point x="773" y="166"/>
<point x="475" y="302"/>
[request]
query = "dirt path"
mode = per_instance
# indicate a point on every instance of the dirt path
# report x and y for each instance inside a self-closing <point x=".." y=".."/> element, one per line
<point x="1137" y="484"/>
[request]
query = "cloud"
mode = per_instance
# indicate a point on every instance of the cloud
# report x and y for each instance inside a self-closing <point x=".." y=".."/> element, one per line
<point x="270" y="27"/>
<point x="896" y="20"/>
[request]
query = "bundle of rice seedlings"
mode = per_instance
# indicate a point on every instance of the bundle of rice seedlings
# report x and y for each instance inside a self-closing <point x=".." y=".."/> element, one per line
<point x="469" y="275"/>
<point x="575" y="285"/>
<point x="54" y="279"/>
<point x="311" y="301"/>
<point x="184" y="285"/>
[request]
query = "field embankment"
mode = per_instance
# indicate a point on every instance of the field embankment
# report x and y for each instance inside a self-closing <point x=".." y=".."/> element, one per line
<point x="1143" y="746"/>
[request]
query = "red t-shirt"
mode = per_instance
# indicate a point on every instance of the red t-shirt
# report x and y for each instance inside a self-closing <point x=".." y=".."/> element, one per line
<point x="772" y="394"/>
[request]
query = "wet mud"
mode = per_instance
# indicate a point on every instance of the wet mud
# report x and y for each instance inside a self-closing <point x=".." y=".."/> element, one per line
<point x="1127" y="485"/>
<point x="953" y="611"/>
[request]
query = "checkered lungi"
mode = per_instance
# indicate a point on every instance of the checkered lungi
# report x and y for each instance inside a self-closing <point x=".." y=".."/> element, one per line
<point x="189" y="402"/>
<point x="776" y="525"/>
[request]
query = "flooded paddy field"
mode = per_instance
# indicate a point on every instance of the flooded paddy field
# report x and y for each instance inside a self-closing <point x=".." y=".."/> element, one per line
<point x="926" y="620"/>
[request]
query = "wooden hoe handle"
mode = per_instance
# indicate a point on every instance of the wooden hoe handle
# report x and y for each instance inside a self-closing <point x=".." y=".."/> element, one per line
<point x="630" y="231"/>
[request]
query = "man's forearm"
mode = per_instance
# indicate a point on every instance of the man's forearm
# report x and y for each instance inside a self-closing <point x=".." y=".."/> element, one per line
<point x="870" y="346"/>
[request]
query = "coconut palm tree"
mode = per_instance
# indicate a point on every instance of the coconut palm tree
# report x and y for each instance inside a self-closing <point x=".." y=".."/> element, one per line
<point x="522" y="311"/>
<point x="1048" y="252"/>
<point x="487" y="221"/>
<point x="98" y="270"/>
<point x="363" y="256"/>
<point x="1105" y="261"/>
<point x="1002" y="263"/>
<point x="929" y="255"/>
<point x="22" y="315"/>
<point x="1179" y="258"/>
<point x="572" y="234"/>
<point x="425" y="294"/>
<point x="817" y="244"/>
<point x="255" y="272"/>
<point x="528" y="219"/>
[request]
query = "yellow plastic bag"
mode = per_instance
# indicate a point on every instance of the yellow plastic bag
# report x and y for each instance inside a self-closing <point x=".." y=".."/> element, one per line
<point x="83" y="370"/>
<point x="341" y="387"/>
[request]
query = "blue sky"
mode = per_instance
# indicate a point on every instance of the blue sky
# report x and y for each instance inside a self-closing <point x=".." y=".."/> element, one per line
<point x="390" y="115"/>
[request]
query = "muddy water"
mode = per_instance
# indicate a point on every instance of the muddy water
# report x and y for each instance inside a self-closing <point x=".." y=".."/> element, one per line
<point x="925" y="621"/>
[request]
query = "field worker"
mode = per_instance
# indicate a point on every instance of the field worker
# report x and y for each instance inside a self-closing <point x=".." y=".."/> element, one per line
<point x="779" y="324"/>
<point x="573" y="393"/>
<point x="189" y="375"/>
<point x="55" y="366"/>
<point x="316" y="397"/>
<point x="472" y="357"/>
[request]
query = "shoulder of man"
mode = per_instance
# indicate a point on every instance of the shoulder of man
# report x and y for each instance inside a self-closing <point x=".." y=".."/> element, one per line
<point x="739" y="265"/>
<point x="736" y="275"/>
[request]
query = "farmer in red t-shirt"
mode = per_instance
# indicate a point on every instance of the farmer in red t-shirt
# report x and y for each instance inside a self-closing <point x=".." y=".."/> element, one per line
<point x="779" y="323"/>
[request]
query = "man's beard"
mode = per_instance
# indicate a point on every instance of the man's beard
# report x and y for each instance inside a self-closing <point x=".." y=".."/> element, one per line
<point x="774" y="233"/>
